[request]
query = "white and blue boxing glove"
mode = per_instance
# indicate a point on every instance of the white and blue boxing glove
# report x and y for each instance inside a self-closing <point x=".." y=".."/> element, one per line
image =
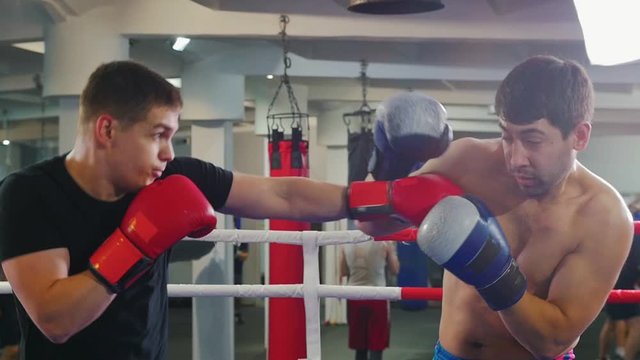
<point x="410" y="128"/>
<point x="462" y="235"/>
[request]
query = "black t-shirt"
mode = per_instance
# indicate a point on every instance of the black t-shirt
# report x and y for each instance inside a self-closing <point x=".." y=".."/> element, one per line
<point x="41" y="207"/>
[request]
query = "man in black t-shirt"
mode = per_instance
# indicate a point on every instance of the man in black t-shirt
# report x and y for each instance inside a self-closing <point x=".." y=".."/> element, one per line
<point x="56" y="215"/>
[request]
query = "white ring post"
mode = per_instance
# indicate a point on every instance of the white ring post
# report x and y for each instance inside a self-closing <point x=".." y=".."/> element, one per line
<point x="311" y="281"/>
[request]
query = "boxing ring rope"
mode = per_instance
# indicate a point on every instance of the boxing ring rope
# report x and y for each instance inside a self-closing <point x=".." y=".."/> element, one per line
<point x="332" y="291"/>
<point x="311" y="289"/>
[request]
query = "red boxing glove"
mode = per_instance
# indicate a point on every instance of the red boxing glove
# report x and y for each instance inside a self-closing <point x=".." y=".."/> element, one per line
<point x="159" y="216"/>
<point x="409" y="198"/>
<point x="407" y="235"/>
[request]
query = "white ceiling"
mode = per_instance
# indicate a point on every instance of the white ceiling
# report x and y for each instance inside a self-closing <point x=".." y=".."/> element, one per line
<point x="457" y="54"/>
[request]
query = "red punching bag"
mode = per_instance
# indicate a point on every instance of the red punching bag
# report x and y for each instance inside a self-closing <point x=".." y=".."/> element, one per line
<point x="287" y="335"/>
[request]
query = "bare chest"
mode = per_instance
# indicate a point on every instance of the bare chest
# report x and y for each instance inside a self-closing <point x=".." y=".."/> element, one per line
<point x="539" y="242"/>
<point x="540" y="236"/>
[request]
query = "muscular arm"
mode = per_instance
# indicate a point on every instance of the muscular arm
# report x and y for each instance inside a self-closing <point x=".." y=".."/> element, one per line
<point x="577" y="291"/>
<point x="291" y="198"/>
<point x="59" y="305"/>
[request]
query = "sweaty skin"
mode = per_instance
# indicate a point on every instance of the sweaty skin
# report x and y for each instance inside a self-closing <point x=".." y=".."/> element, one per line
<point x="570" y="244"/>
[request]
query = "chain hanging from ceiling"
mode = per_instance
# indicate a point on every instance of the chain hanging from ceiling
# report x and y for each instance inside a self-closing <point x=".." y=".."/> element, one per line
<point x="364" y="113"/>
<point x="295" y="118"/>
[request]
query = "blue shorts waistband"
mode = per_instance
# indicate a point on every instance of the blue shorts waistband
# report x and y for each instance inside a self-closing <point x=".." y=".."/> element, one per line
<point x="440" y="353"/>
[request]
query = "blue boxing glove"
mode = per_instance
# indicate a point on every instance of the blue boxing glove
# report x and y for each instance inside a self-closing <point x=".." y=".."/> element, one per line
<point x="462" y="235"/>
<point x="409" y="129"/>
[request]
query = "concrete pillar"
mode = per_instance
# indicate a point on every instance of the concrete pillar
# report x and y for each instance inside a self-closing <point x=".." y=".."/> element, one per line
<point x="211" y="96"/>
<point x="332" y="133"/>
<point x="68" y="112"/>
<point x="337" y="173"/>
<point x="213" y="101"/>
<point x="74" y="50"/>
<point x="213" y="325"/>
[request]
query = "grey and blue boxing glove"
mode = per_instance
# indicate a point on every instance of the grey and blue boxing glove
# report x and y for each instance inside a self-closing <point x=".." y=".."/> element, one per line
<point x="410" y="128"/>
<point x="462" y="235"/>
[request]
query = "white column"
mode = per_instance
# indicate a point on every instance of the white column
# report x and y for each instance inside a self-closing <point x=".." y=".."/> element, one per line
<point x="74" y="51"/>
<point x="211" y="96"/>
<point x="213" y="101"/>
<point x="332" y="133"/>
<point x="69" y="108"/>
<point x="337" y="173"/>
<point x="213" y="323"/>
<point x="615" y="159"/>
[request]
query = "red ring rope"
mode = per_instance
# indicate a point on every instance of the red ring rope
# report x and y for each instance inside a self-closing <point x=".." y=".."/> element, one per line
<point x="435" y="294"/>
<point x="409" y="234"/>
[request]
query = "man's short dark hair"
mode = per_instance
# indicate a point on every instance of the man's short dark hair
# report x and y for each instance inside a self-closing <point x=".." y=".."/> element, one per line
<point x="546" y="87"/>
<point x="127" y="91"/>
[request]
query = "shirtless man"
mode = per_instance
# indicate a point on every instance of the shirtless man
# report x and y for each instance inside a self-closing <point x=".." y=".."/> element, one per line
<point x="566" y="229"/>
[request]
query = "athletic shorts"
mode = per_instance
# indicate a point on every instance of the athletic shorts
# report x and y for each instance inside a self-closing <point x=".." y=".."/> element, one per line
<point x="369" y="324"/>
<point x="440" y="353"/>
<point x="622" y="311"/>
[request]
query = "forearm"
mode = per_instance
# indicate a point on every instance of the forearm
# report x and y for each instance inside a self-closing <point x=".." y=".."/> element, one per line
<point x="540" y="326"/>
<point x="311" y="200"/>
<point x="70" y="305"/>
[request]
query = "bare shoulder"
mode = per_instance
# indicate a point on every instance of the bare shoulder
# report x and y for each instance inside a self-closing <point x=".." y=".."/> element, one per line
<point x="462" y="154"/>
<point x="605" y="210"/>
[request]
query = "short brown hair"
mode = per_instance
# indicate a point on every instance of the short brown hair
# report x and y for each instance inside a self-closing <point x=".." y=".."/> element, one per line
<point x="546" y="87"/>
<point x="127" y="91"/>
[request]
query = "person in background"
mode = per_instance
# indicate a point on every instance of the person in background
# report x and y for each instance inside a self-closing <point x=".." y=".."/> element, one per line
<point x="364" y="264"/>
<point x="612" y="329"/>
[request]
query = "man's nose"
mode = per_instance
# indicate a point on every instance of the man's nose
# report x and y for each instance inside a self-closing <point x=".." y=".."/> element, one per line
<point x="518" y="155"/>
<point x="167" y="153"/>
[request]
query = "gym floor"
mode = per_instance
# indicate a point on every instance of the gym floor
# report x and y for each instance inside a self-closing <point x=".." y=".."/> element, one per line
<point x="413" y="335"/>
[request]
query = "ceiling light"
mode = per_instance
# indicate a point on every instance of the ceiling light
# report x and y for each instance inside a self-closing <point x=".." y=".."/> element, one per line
<point x="177" y="82"/>
<point x="6" y="142"/>
<point x="33" y="46"/>
<point x="270" y="76"/>
<point x="610" y="30"/>
<point x="180" y="43"/>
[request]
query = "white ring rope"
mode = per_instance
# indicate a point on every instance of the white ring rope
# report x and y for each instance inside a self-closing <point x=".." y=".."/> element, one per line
<point x="265" y="291"/>
<point x="285" y="237"/>
<point x="285" y="291"/>
<point x="311" y="289"/>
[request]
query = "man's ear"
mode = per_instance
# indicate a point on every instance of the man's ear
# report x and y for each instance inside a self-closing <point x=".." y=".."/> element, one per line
<point x="104" y="129"/>
<point x="582" y="133"/>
